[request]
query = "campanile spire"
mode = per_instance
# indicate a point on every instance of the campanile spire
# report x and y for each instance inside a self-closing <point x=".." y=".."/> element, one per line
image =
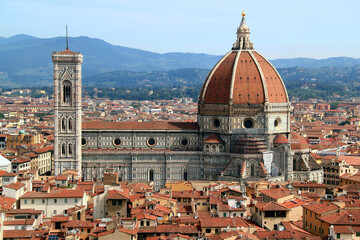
<point x="243" y="35"/>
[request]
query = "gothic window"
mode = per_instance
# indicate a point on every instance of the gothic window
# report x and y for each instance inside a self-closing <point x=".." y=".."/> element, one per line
<point x="185" y="175"/>
<point x="70" y="124"/>
<point x="252" y="170"/>
<point x="238" y="170"/>
<point x="67" y="92"/>
<point x="70" y="149"/>
<point x="63" y="149"/>
<point x="63" y="124"/>
<point x="151" y="175"/>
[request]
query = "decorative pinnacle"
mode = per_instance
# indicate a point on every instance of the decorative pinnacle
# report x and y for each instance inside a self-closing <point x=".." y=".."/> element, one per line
<point x="243" y="13"/>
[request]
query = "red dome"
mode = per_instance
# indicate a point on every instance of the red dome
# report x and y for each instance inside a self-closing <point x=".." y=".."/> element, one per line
<point x="243" y="77"/>
<point x="280" y="139"/>
<point x="298" y="142"/>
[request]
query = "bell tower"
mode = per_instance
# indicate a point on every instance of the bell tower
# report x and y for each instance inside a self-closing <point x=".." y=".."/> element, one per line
<point x="67" y="106"/>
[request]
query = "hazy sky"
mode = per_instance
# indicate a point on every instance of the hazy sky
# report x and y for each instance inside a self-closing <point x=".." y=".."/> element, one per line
<point x="279" y="28"/>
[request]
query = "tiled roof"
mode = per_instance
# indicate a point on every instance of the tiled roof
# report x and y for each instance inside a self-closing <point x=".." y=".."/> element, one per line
<point x="321" y="208"/>
<point x="67" y="51"/>
<point x="117" y="194"/>
<point x="7" y="202"/>
<point x="29" y="221"/>
<point x="243" y="85"/>
<point x="271" y="206"/>
<point x="276" y="193"/>
<point x="140" y="125"/>
<point x="275" y="234"/>
<point x="15" y="186"/>
<point x="213" y="138"/>
<point x="280" y="139"/>
<point x="298" y="142"/>
<point x="79" y="223"/>
<point x="63" y="193"/>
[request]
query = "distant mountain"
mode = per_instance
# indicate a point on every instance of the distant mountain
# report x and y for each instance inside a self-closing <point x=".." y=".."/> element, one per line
<point x="316" y="63"/>
<point x="26" y="60"/>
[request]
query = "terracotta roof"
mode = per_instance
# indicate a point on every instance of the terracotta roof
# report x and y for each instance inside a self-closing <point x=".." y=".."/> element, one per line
<point x="245" y="84"/>
<point x="298" y="142"/>
<point x="280" y="139"/>
<point x="79" y="223"/>
<point x="7" y="202"/>
<point x="140" y="125"/>
<point x="60" y="218"/>
<point x="213" y="138"/>
<point x="22" y="211"/>
<point x="15" y="186"/>
<point x="117" y="194"/>
<point x="276" y="193"/>
<point x="275" y="234"/>
<point x="321" y="208"/>
<point x="29" y="221"/>
<point x="67" y="51"/>
<point x="271" y="206"/>
<point x="63" y="193"/>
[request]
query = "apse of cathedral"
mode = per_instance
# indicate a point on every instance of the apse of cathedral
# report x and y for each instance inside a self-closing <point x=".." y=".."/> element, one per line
<point x="242" y="131"/>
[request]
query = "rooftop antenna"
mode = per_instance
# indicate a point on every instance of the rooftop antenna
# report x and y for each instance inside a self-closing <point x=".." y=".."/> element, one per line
<point x="67" y="40"/>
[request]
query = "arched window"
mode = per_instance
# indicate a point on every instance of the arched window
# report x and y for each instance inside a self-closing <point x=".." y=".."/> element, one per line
<point x="70" y="124"/>
<point x="185" y="175"/>
<point x="70" y="149"/>
<point x="63" y="149"/>
<point x="252" y="170"/>
<point x="63" y="124"/>
<point x="67" y="92"/>
<point x="238" y="170"/>
<point x="151" y="175"/>
<point x="214" y="148"/>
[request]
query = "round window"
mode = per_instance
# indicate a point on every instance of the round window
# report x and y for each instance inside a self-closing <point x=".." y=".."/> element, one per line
<point x="216" y="123"/>
<point x="248" y="123"/>
<point x="277" y="123"/>
<point x="83" y="142"/>
<point x="184" y="142"/>
<point x="151" y="142"/>
<point x="117" y="142"/>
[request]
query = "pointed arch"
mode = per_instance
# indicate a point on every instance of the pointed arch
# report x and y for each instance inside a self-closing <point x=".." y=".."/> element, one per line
<point x="151" y="175"/>
<point x="67" y="90"/>
<point x="70" y="124"/>
<point x="63" y="149"/>
<point x="63" y="124"/>
<point x="252" y="170"/>
<point x="70" y="149"/>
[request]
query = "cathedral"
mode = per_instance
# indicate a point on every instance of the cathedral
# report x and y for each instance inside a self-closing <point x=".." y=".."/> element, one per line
<point x="242" y="131"/>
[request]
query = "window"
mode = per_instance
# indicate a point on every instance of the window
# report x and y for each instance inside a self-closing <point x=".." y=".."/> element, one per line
<point x="252" y="169"/>
<point x="32" y="201"/>
<point x="25" y="201"/>
<point x="88" y="231"/>
<point x="67" y="92"/>
<point x="55" y="200"/>
<point x="70" y="149"/>
<point x="65" y="200"/>
<point x="63" y="149"/>
<point x="147" y="223"/>
<point x="63" y="124"/>
<point x="70" y="124"/>
<point x="76" y="200"/>
<point x="358" y="234"/>
<point x="338" y="235"/>
<point x="224" y="214"/>
<point x="141" y="223"/>
<point x="208" y="230"/>
<point x="55" y="211"/>
<point x="151" y="175"/>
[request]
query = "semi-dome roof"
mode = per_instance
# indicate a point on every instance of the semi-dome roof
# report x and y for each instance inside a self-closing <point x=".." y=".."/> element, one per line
<point x="243" y="76"/>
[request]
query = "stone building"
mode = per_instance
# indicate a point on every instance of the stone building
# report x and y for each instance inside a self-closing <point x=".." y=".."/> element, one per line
<point x="243" y="106"/>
